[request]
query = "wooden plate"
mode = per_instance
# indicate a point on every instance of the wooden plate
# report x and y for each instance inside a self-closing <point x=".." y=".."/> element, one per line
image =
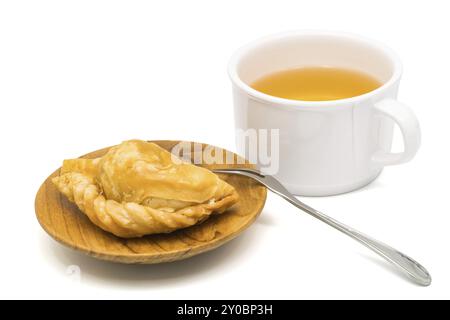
<point x="63" y="221"/>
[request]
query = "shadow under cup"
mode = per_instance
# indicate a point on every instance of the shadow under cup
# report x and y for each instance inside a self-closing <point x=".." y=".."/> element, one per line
<point x="323" y="147"/>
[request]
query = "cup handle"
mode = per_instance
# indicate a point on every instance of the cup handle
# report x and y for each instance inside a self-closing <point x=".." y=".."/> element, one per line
<point x="409" y="126"/>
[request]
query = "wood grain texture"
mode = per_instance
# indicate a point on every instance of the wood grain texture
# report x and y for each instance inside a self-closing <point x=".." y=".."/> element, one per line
<point x="63" y="221"/>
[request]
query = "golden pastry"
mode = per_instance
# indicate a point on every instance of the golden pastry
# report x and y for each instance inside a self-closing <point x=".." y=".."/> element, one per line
<point x="137" y="189"/>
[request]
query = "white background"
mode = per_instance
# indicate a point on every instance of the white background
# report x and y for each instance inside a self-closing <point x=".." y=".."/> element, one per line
<point x="76" y="76"/>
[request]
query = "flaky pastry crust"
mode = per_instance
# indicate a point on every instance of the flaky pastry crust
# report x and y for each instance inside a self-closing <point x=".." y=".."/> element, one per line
<point x="137" y="189"/>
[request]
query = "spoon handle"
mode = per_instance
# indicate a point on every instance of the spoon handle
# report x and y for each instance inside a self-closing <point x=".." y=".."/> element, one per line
<point x="404" y="263"/>
<point x="411" y="268"/>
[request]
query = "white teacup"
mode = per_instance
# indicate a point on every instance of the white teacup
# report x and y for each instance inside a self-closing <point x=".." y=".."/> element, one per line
<point x="325" y="147"/>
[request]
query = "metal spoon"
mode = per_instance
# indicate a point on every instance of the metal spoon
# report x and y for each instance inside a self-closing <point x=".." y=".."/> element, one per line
<point x="414" y="270"/>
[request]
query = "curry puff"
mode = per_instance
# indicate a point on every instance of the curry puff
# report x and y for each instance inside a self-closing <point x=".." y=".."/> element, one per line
<point x="138" y="188"/>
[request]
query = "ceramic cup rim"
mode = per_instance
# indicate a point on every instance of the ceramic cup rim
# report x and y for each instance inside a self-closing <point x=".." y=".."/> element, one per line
<point x="253" y="45"/>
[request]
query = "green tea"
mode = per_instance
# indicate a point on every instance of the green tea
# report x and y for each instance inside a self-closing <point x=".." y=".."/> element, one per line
<point x="316" y="84"/>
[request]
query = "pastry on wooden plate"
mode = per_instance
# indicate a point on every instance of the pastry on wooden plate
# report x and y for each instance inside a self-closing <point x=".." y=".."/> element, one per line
<point x="137" y="188"/>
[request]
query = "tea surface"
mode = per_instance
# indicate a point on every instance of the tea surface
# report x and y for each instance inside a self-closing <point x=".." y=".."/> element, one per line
<point x="316" y="84"/>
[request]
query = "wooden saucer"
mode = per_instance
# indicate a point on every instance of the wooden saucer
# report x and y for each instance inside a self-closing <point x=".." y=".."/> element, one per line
<point x="63" y="221"/>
